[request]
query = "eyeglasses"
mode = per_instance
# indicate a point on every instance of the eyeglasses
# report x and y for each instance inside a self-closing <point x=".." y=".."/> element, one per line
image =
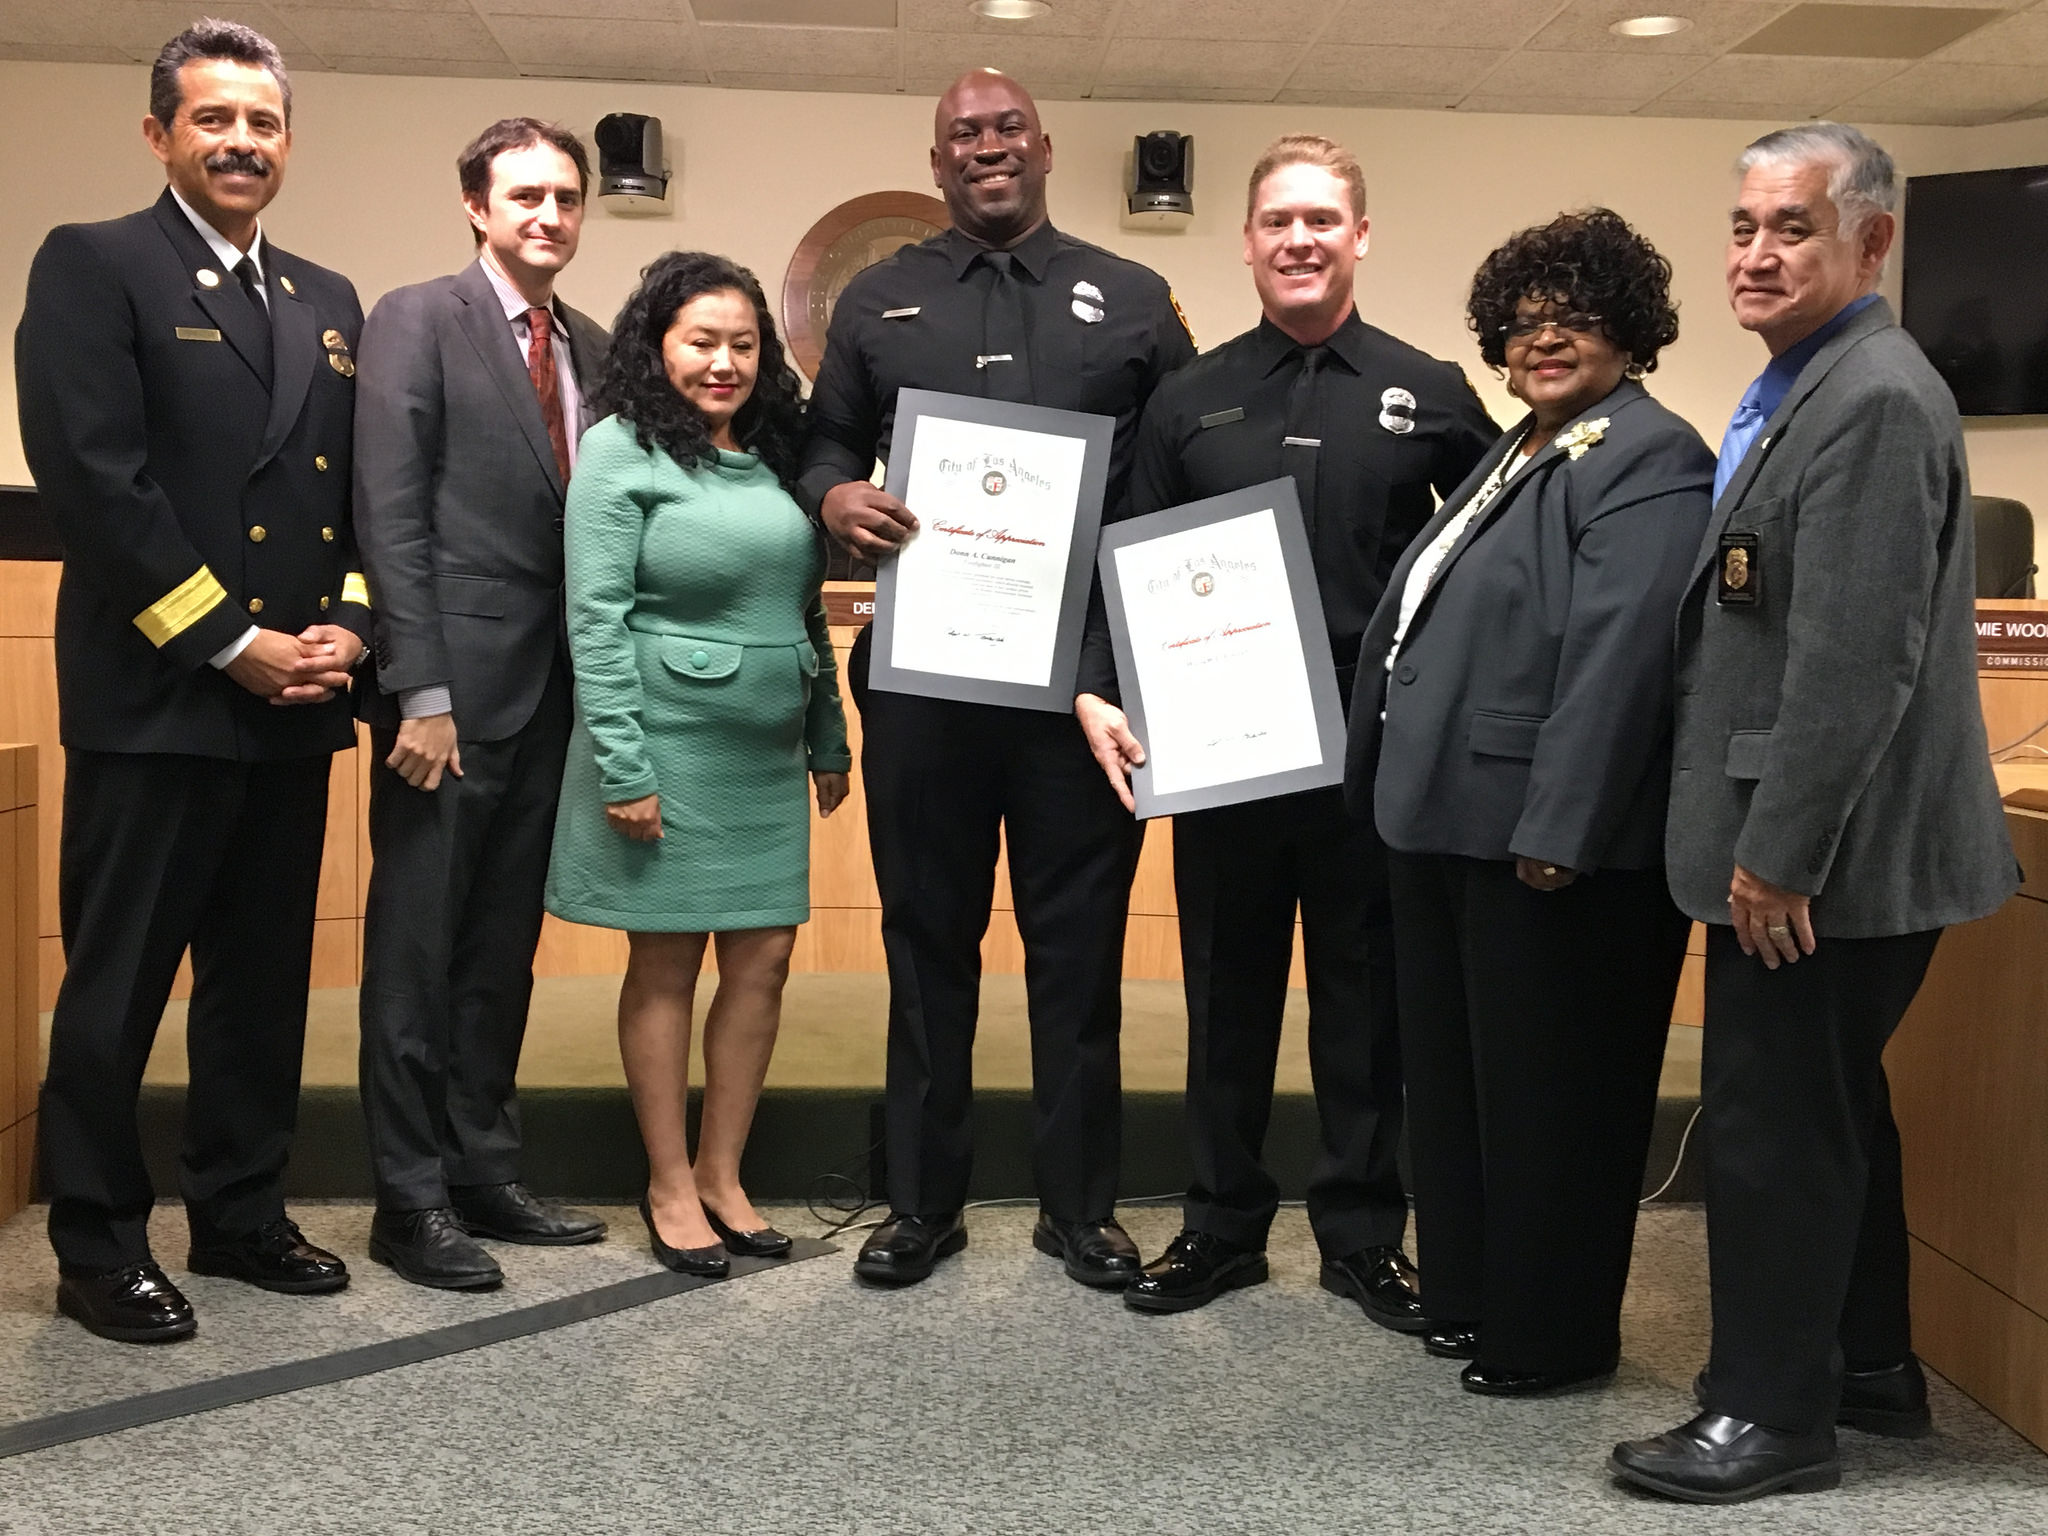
<point x="1522" y="327"/>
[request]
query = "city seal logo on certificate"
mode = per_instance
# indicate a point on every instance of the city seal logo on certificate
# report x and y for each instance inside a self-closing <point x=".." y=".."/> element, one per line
<point x="985" y="602"/>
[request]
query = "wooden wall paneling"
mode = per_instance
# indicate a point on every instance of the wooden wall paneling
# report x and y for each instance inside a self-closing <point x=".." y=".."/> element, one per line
<point x="28" y="713"/>
<point x="1982" y="1340"/>
<point x="2014" y="704"/>
<point x="573" y="949"/>
<point x="16" y="1017"/>
<point x="28" y="598"/>
<point x="337" y="898"/>
<point x="20" y="1064"/>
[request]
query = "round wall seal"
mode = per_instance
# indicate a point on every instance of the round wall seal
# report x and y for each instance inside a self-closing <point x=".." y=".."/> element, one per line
<point x="849" y="239"/>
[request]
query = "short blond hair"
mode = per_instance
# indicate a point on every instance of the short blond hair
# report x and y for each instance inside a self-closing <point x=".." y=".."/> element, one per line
<point x="1308" y="149"/>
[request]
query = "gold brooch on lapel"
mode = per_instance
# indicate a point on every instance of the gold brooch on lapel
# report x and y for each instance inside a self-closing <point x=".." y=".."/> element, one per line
<point x="286" y="284"/>
<point x="1583" y="436"/>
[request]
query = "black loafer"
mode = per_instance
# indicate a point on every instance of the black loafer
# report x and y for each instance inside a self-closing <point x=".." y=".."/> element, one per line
<point x="275" y="1257"/>
<point x="136" y="1304"/>
<point x="430" y="1248"/>
<point x="1383" y="1283"/>
<point x="761" y="1243"/>
<point x="905" y="1249"/>
<point x="1890" y="1401"/>
<point x="512" y="1213"/>
<point x="1713" y="1459"/>
<point x="1489" y="1382"/>
<point x="1097" y="1253"/>
<point x="1196" y="1268"/>
<point x="1452" y="1341"/>
<point x="711" y="1262"/>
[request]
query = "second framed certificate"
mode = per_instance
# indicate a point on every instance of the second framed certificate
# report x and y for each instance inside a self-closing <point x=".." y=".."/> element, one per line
<point x="1222" y="652"/>
<point x="987" y="600"/>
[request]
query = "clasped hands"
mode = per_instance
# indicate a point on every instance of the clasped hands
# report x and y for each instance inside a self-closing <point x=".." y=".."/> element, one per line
<point x="307" y="668"/>
<point x="640" y="819"/>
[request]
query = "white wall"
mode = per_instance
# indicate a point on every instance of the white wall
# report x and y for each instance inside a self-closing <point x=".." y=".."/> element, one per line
<point x="371" y="191"/>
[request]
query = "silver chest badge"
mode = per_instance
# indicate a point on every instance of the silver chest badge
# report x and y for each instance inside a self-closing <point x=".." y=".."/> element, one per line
<point x="1088" y="303"/>
<point x="1397" y="411"/>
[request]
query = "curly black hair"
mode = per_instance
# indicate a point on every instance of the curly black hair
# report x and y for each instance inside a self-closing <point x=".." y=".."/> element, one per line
<point x="634" y="384"/>
<point x="1591" y="262"/>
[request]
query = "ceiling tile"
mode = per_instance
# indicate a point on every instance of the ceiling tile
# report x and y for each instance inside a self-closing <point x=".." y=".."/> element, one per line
<point x="1818" y="83"/>
<point x="1424" y="71"/>
<point x="567" y="46"/>
<point x="1783" y="111"/>
<point x="875" y="14"/>
<point x="1417" y="100"/>
<point x="1170" y="95"/>
<point x="1042" y="88"/>
<point x="1552" y="106"/>
<point x="1716" y="24"/>
<point x="1828" y="30"/>
<point x="1210" y="66"/>
<point x="1438" y="23"/>
<point x="819" y="52"/>
<point x="395" y="35"/>
<point x="1068" y="18"/>
<point x="2016" y="40"/>
<point x="64" y="53"/>
<point x="285" y="7"/>
<point x="140" y="28"/>
<point x="1029" y="59"/>
<point x="648" y="73"/>
<point x="750" y="80"/>
<point x="438" y="69"/>
<point x="1953" y="88"/>
<point x="1285" y="21"/>
<point x="611" y="10"/>
<point x="1589" y="82"/>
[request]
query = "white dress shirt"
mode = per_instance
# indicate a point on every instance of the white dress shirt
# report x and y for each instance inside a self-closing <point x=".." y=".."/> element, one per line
<point x="1431" y="560"/>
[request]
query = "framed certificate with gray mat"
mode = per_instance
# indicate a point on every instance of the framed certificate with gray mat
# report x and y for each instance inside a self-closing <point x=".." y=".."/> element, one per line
<point x="1222" y="652"/>
<point x="986" y="601"/>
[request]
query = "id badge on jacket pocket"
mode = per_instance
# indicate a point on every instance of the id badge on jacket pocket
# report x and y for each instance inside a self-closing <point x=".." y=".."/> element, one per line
<point x="1739" y="575"/>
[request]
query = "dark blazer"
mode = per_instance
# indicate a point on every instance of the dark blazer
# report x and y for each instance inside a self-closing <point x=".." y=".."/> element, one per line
<point x="1529" y="711"/>
<point x="459" y="503"/>
<point x="1830" y="737"/>
<point x="193" y="494"/>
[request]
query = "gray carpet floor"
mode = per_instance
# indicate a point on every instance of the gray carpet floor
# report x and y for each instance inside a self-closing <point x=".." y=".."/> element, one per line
<point x="996" y="1398"/>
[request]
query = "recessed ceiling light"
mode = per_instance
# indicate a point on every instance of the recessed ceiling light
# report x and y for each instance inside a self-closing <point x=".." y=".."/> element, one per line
<point x="1650" y="26"/>
<point x="1010" y="10"/>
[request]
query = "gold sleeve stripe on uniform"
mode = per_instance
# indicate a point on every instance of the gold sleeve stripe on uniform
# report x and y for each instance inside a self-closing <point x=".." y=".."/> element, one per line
<point x="355" y="590"/>
<point x="185" y="605"/>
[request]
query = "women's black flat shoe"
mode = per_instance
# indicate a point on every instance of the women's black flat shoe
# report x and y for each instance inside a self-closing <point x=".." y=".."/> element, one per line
<point x="1453" y="1341"/>
<point x="764" y="1243"/>
<point x="1490" y="1382"/>
<point x="710" y="1262"/>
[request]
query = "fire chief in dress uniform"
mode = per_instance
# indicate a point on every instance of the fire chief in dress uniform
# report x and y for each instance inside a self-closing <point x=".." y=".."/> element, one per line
<point x="186" y="393"/>
<point x="1372" y="432"/>
<point x="1004" y="306"/>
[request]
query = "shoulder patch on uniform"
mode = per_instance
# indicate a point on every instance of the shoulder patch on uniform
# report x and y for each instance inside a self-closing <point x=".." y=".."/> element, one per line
<point x="1182" y="316"/>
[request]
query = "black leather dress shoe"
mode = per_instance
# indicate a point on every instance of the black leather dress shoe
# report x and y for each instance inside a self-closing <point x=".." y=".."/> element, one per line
<point x="710" y="1262"/>
<point x="1891" y="1401"/>
<point x="1489" y="1382"/>
<point x="512" y="1213"/>
<point x="1383" y="1282"/>
<point x="1098" y="1253"/>
<point x="761" y="1243"/>
<point x="1713" y="1459"/>
<point x="1196" y="1268"/>
<point x="430" y="1248"/>
<point x="904" y="1249"/>
<point x="1452" y="1341"/>
<point x="136" y="1304"/>
<point x="275" y="1257"/>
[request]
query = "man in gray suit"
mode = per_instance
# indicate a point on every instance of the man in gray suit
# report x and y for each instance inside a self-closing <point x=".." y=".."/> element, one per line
<point x="471" y="396"/>
<point x="1832" y="810"/>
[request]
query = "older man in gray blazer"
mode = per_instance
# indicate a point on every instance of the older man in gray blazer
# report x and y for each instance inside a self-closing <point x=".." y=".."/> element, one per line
<point x="470" y="400"/>
<point x="1832" y="810"/>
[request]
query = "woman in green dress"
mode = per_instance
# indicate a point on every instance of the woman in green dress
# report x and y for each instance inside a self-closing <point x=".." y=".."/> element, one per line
<point x="706" y="692"/>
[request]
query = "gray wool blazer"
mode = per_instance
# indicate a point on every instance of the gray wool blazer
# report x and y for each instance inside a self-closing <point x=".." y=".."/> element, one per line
<point x="1829" y="737"/>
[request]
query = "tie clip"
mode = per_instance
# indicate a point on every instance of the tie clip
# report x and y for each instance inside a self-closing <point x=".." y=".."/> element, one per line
<point x="994" y="357"/>
<point x="901" y="314"/>
<point x="1301" y="442"/>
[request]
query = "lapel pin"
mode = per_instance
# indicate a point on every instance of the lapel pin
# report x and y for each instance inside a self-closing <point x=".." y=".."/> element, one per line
<point x="286" y="284"/>
<point x="207" y="277"/>
<point x="332" y="341"/>
<point x="342" y="364"/>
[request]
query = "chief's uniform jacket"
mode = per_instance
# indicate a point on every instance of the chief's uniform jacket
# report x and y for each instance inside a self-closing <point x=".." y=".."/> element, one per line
<point x="1372" y="440"/>
<point x="199" y="481"/>
<point x="1829" y="739"/>
<point x="1054" y="322"/>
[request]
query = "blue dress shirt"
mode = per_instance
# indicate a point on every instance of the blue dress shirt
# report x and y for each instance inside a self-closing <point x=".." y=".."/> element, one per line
<point x="1761" y="400"/>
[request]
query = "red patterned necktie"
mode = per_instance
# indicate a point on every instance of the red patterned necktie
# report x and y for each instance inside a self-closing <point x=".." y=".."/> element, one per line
<point x="540" y="367"/>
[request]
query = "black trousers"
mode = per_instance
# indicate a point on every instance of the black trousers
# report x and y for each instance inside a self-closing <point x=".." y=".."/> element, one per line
<point x="1533" y="1026"/>
<point x="449" y="931"/>
<point x="1806" y="1216"/>
<point x="1239" y="872"/>
<point x="942" y="778"/>
<point x="160" y="852"/>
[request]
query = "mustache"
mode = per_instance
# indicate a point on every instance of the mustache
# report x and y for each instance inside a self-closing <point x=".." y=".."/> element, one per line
<point x="238" y="162"/>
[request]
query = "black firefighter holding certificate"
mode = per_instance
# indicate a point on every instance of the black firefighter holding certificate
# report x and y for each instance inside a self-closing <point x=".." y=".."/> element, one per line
<point x="1511" y="731"/>
<point x="1371" y="430"/>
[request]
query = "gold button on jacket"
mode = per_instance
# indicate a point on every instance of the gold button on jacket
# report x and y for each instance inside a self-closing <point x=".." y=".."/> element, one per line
<point x="258" y="534"/>
<point x="320" y="461"/>
<point x="255" y="605"/>
<point x="327" y="535"/>
<point x="323" y="605"/>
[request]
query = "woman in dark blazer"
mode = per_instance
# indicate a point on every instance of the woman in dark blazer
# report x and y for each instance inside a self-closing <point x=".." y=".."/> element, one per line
<point x="1511" y="735"/>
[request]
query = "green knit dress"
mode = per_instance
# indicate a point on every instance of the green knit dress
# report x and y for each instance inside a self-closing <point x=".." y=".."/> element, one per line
<point x="704" y="674"/>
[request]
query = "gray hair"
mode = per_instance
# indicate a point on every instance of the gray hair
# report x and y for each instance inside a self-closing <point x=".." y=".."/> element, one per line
<point x="211" y="38"/>
<point x="1862" y="181"/>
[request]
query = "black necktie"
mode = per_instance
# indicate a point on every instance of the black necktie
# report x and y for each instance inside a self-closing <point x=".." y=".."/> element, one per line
<point x="252" y="289"/>
<point x="1303" y="444"/>
<point x="1005" y="357"/>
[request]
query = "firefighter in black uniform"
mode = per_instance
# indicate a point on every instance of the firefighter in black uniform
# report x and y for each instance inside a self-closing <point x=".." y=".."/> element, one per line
<point x="186" y="394"/>
<point x="1003" y="306"/>
<point x="1372" y="431"/>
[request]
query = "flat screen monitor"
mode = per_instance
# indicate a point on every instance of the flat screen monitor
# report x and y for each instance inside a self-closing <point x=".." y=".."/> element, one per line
<point x="1976" y="285"/>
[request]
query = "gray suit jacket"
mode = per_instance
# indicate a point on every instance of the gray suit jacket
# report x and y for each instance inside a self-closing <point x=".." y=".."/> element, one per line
<point x="1829" y="737"/>
<point x="1529" y="711"/>
<point x="459" y="504"/>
